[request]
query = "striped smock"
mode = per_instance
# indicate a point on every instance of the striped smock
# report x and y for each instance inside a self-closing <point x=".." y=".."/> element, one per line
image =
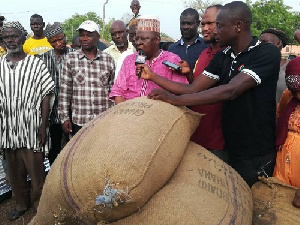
<point x="22" y="89"/>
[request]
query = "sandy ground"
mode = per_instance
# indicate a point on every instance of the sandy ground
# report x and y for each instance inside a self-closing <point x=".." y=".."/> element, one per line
<point x="6" y="206"/>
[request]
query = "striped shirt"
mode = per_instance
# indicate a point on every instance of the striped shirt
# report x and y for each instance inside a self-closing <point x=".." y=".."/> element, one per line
<point x="85" y="85"/>
<point x="22" y="89"/>
<point x="54" y="64"/>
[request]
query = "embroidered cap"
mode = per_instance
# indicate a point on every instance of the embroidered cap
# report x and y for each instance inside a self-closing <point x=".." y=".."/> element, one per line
<point x="89" y="25"/>
<point x="148" y="23"/>
<point x="53" y="30"/>
<point x="17" y="25"/>
<point x="292" y="74"/>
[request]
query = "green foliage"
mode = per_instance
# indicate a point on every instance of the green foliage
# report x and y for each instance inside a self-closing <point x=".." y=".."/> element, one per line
<point x="201" y="5"/>
<point x="70" y="25"/>
<point x="266" y="14"/>
<point x="165" y="37"/>
<point x="273" y="14"/>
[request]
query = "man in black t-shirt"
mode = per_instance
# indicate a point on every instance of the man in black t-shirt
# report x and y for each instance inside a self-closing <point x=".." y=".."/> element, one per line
<point x="247" y="71"/>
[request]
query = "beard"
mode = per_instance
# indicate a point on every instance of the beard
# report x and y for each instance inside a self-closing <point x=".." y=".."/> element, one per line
<point x="19" y="48"/>
<point x="120" y="45"/>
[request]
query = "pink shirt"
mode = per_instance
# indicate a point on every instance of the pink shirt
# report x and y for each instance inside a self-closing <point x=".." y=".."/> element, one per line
<point x="128" y="85"/>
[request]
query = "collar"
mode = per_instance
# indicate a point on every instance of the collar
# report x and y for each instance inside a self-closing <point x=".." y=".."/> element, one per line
<point x="68" y="50"/>
<point x="81" y="54"/>
<point x="162" y="52"/>
<point x="253" y="44"/>
<point x="130" y="46"/>
<point x="213" y="52"/>
<point x="181" y="41"/>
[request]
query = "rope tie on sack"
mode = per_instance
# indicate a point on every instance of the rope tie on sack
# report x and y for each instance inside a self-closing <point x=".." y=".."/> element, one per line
<point x="111" y="197"/>
<point x="270" y="201"/>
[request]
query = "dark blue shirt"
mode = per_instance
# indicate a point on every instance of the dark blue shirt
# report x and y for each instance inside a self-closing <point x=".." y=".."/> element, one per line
<point x="189" y="53"/>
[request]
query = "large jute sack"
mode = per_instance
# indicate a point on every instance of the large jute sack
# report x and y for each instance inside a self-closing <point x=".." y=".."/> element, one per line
<point x="272" y="203"/>
<point x="115" y="163"/>
<point x="203" y="190"/>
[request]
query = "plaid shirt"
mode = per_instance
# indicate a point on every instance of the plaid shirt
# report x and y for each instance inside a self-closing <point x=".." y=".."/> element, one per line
<point x="54" y="65"/>
<point x="85" y="86"/>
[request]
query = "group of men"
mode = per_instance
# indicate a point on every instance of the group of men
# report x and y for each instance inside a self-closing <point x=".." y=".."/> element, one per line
<point x="228" y="75"/>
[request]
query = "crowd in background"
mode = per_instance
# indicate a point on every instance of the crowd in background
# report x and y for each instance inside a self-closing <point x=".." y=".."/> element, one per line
<point x="49" y="90"/>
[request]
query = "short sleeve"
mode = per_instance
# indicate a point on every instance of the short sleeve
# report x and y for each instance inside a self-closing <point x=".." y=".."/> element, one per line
<point x="214" y="69"/>
<point x="264" y="62"/>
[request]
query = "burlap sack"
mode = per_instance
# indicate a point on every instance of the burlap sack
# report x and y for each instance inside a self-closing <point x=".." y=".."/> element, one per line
<point x="272" y="203"/>
<point x="124" y="157"/>
<point x="203" y="190"/>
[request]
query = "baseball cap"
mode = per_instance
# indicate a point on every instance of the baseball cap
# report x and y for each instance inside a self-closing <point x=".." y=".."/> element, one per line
<point x="89" y="25"/>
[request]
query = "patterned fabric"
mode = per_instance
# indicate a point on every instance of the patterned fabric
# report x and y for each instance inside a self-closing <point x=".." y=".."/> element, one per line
<point x="292" y="74"/>
<point x="54" y="65"/>
<point x="53" y="30"/>
<point x="17" y="25"/>
<point x="287" y="162"/>
<point x="293" y="81"/>
<point x="129" y="86"/>
<point x="22" y="90"/>
<point x="85" y="86"/>
<point x="148" y="23"/>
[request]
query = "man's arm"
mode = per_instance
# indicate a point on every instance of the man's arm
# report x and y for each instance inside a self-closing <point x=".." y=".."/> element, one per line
<point x="237" y="86"/>
<point x="65" y="93"/>
<point x="45" y="115"/>
<point x="119" y="99"/>
<point x="201" y="83"/>
<point x="120" y="87"/>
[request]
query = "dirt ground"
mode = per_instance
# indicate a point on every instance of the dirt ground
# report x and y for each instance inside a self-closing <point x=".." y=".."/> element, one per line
<point x="6" y="206"/>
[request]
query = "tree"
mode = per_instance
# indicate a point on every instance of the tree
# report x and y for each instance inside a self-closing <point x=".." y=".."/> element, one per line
<point x="165" y="37"/>
<point x="266" y="14"/>
<point x="70" y="25"/>
<point x="201" y="5"/>
<point x="273" y="14"/>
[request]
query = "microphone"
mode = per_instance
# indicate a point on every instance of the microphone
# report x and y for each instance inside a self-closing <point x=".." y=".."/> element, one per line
<point x="140" y="59"/>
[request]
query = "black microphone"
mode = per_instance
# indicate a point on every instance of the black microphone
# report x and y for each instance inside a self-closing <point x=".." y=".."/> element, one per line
<point x="140" y="59"/>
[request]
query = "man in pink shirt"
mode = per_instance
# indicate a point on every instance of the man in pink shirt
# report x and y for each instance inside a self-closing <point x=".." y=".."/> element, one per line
<point x="128" y="85"/>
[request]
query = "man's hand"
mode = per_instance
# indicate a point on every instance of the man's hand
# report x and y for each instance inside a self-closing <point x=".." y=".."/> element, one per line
<point x="296" y="200"/>
<point x="42" y="135"/>
<point x="184" y="67"/>
<point x="67" y="126"/>
<point x="146" y="72"/>
<point x="163" y="95"/>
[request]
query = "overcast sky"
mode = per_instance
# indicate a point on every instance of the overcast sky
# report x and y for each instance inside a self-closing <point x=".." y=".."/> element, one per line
<point x="168" y="11"/>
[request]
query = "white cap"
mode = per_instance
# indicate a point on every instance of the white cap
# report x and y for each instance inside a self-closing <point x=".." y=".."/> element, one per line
<point x="89" y="25"/>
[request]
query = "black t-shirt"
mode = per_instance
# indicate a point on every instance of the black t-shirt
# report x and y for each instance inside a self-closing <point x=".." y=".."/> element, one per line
<point x="249" y="120"/>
